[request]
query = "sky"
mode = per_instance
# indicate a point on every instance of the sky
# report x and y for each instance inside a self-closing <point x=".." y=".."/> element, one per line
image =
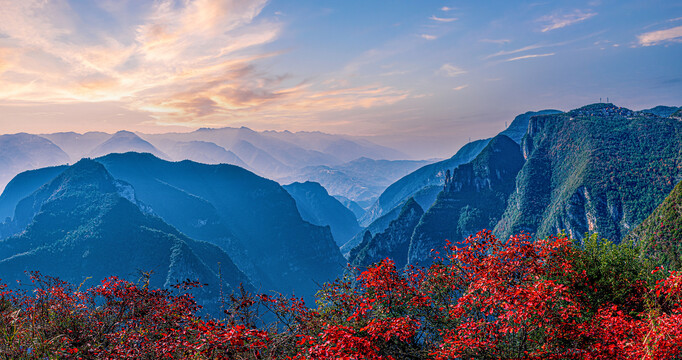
<point x="423" y="76"/>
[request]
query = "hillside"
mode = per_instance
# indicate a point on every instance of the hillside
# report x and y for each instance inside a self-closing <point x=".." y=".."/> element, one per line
<point x="377" y="226"/>
<point x="599" y="168"/>
<point x="659" y="237"/>
<point x="425" y="183"/>
<point x="662" y="110"/>
<point x="357" y="210"/>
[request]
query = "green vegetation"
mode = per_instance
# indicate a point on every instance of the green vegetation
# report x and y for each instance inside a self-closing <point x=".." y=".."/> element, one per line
<point x="599" y="168"/>
<point x="659" y="237"/>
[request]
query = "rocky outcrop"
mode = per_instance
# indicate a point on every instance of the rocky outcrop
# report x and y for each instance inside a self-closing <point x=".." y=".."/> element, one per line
<point x="473" y="198"/>
<point x="392" y="243"/>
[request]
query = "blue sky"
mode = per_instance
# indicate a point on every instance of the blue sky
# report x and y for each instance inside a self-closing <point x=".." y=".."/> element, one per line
<point x="422" y="75"/>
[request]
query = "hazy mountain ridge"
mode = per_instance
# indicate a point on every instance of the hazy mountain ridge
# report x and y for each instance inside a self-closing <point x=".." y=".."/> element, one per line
<point x="319" y="208"/>
<point x="78" y="146"/>
<point x="272" y="154"/>
<point x="361" y="180"/>
<point x="21" y="152"/>
<point x="125" y="141"/>
<point x="83" y="224"/>
<point x="252" y="218"/>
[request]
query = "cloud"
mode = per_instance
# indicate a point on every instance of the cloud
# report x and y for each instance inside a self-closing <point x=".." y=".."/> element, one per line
<point x="496" y="41"/>
<point x="447" y="8"/>
<point x="660" y="36"/>
<point x="461" y="87"/>
<point x="515" y="51"/>
<point x="429" y="37"/>
<point x="558" y="21"/>
<point x="181" y="62"/>
<point x="450" y="70"/>
<point x="529" y="56"/>
<point x="439" y="19"/>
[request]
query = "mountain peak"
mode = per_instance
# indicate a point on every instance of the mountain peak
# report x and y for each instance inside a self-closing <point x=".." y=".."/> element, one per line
<point x="601" y="110"/>
<point x="125" y="133"/>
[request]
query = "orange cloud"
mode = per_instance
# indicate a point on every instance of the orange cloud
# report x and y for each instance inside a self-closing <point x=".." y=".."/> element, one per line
<point x="185" y="62"/>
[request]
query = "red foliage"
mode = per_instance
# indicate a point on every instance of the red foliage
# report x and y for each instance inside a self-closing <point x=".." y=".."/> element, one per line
<point x="519" y="299"/>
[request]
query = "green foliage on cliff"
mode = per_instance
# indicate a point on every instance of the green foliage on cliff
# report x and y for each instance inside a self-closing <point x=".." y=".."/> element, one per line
<point x="599" y="168"/>
<point x="659" y="237"/>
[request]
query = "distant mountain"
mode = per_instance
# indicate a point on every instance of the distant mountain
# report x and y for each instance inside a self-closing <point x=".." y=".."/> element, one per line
<point x="201" y="151"/>
<point x="256" y="158"/>
<point x="599" y="168"/>
<point x="411" y="184"/>
<point x="125" y="141"/>
<point x="473" y="198"/>
<point x="84" y="226"/>
<point x="291" y="155"/>
<point x="20" y="152"/>
<point x="23" y="185"/>
<point x="77" y="146"/>
<point x="319" y="208"/>
<point x="342" y="147"/>
<point x="517" y="129"/>
<point x="291" y="151"/>
<point x="659" y="236"/>
<point x="252" y="218"/>
<point x="360" y="180"/>
<point x="662" y="110"/>
<point x="393" y="243"/>
<point x="357" y="210"/>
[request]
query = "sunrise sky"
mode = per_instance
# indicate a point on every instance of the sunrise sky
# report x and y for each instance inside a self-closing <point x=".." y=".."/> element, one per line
<point x="426" y="74"/>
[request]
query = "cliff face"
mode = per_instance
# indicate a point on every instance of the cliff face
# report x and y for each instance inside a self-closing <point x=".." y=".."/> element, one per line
<point x="599" y="168"/>
<point x="473" y="198"/>
<point x="393" y="243"/>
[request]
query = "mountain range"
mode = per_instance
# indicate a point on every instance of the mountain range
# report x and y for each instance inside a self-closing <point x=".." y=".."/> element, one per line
<point x="347" y="166"/>
<point x="253" y="220"/>
<point x="597" y="169"/>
